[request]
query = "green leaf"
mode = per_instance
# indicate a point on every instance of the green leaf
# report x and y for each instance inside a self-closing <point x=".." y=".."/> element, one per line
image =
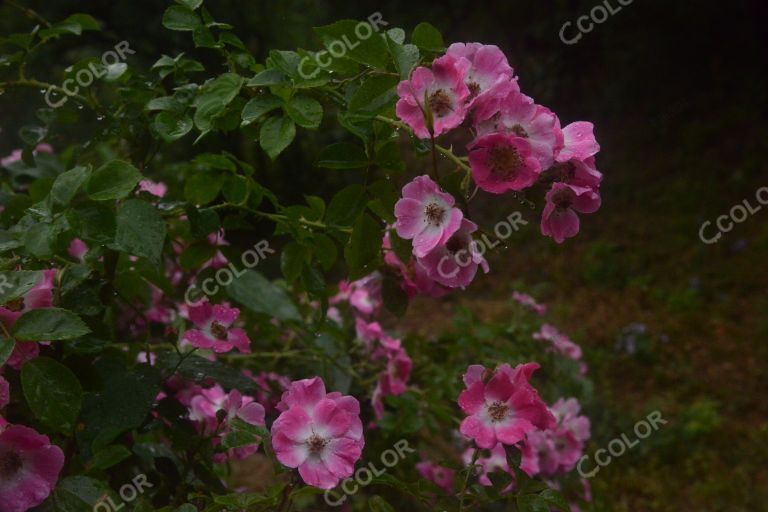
<point x="202" y="221"/>
<point x="406" y="56"/>
<point x="196" y="254"/>
<point x="200" y="369"/>
<point x="258" y="294"/>
<point x="172" y="126"/>
<point x="355" y="40"/>
<point x="375" y="95"/>
<point x="224" y="87"/>
<point x="48" y="324"/>
<point x="203" y="37"/>
<point x="68" y="183"/>
<point x="86" y="21"/>
<point x="237" y="439"/>
<point x="403" y="248"/>
<point x="179" y="17"/>
<point x="235" y="189"/>
<point x="379" y="504"/>
<point x="214" y="161"/>
<point x="79" y="494"/>
<point x="109" y="456"/>
<point x="93" y="222"/>
<point x="74" y="24"/>
<point x="364" y="246"/>
<point x="292" y="261"/>
<point x="6" y="349"/>
<point x="165" y="103"/>
<point x="267" y="78"/>
<point x="140" y="230"/>
<point x="531" y="503"/>
<point x="388" y="157"/>
<point x="427" y="38"/>
<point x="342" y="155"/>
<point x="214" y="98"/>
<point x="191" y="4"/>
<point x="32" y="135"/>
<point x="555" y="499"/>
<point x="122" y="403"/>
<point x="39" y="239"/>
<point x="276" y="134"/>
<point x="203" y="187"/>
<point x="346" y="205"/>
<point x="305" y="111"/>
<point x="113" y="180"/>
<point x="52" y="392"/>
<point x="258" y="106"/>
<point x="325" y="250"/>
<point x="14" y="284"/>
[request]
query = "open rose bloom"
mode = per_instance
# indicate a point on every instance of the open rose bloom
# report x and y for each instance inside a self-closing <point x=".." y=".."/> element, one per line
<point x="29" y="467"/>
<point x="502" y="162"/>
<point x="502" y="406"/>
<point x="427" y="215"/>
<point x="319" y="433"/>
<point x="560" y="219"/>
<point x="439" y="91"/>
<point x="213" y="329"/>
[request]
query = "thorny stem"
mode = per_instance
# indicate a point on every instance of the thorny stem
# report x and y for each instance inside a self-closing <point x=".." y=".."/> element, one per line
<point x="276" y="217"/>
<point x="33" y="15"/>
<point x="434" y="157"/>
<point x="37" y="84"/>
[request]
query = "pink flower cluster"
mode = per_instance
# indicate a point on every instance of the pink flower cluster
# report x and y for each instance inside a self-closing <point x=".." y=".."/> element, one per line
<point x="557" y="450"/>
<point x="364" y="296"/>
<point x="441" y="476"/>
<point x="444" y="253"/>
<point x="560" y="344"/>
<point x="529" y="302"/>
<point x="516" y="143"/>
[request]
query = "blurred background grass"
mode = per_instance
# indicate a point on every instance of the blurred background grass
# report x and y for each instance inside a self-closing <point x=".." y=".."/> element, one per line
<point x="677" y="91"/>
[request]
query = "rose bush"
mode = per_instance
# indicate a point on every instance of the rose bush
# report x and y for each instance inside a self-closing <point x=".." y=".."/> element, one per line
<point x="110" y="370"/>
